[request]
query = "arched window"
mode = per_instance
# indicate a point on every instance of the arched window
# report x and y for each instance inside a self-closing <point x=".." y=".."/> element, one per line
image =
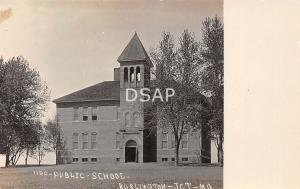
<point x="75" y="141"/>
<point x="138" y="74"/>
<point x="136" y="119"/>
<point x="125" y="75"/>
<point x="127" y="119"/>
<point x="131" y="143"/>
<point x="131" y="74"/>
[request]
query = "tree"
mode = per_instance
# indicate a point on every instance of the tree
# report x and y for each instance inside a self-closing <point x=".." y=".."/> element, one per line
<point x="42" y="147"/>
<point x="31" y="140"/>
<point x="55" y="141"/>
<point x="212" y="55"/>
<point x="177" y="69"/>
<point x="52" y="130"/>
<point x="23" y="98"/>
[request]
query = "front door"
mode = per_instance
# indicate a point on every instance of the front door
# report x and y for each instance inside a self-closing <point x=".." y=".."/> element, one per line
<point x="131" y="152"/>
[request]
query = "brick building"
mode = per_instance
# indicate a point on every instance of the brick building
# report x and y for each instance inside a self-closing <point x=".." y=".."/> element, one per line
<point x="99" y="125"/>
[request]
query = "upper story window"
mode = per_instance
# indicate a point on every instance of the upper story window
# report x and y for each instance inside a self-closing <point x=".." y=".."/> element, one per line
<point x="136" y="119"/>
<point x="58" y="116"/>
<point x="184" y="140"/>
<point x="117" y="141"/>
<point x="85" y="141"/>
<point x="127" y="119"/>
<point x="94" y="140"/>
<point x="75" y="141"/>
<point x="118" y="113"/>
<point x="76" y="115"/>
<point x="173" y="141"/>
<point x="164" y="140"/>
<point x="138" y="74"/>
<point x="85" y="115"/>
<point x="94" y="113"/>
<point x="131" y="74"/>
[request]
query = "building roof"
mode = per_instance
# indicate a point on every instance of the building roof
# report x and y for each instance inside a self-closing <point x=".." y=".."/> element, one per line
<point x="110" y="90"/>
<point x="107" y="90"/>
<point x="134" y="51"/>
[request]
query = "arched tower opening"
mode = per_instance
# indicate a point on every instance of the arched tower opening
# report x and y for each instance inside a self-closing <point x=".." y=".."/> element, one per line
<point x="125" y="75"/>
<point x="138" y="74"/>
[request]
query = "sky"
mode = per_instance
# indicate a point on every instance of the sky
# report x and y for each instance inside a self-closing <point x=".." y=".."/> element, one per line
<point x="75" y="44"/>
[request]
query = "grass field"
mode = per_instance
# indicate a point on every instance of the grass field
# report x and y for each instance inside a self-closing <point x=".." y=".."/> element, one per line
<point x="123" y="176"/>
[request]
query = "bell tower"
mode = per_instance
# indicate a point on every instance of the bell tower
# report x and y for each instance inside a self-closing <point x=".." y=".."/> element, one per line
<point x="135" y="67"/>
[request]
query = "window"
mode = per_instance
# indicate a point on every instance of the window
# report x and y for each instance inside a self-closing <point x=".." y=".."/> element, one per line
<point x="94" y="141"/>
<point x="131" y="74"/>
<point x="131" y="96"/>
<point x="59" y="116"/>
<point x="94" y="113"/>
<point x="127" y="119"/>
<point x="138" y="74"/>
<point x="117" y="141"/>
<point x="125" y="75"/>
<point x="84" y="141"/>
<point x="93" y="159"/>
<point x="75" y="159"/>
<point x="184" y="140"/>
<point x="173" y="141"/>
<point x="75" y="114"/>
<point x="118" y="113"/>
<point x="164" y="140"/>
<point x="84" y="159"/>
<point x="85" y="116"/>
<point x="136" y="119"/>
<point x="75" y="141"/>
<point x="173" y="159"/>
<point x="185" y="159"/>
<point x="164" y="159"/>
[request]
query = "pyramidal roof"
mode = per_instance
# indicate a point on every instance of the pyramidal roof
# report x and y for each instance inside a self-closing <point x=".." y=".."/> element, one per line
<point x="134" y="51"/>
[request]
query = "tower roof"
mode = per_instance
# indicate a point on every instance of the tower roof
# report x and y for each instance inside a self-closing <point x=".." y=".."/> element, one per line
<point x="134" y="51"/>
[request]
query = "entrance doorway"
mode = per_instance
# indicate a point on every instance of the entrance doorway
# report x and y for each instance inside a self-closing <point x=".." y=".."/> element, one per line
<point x="131" y="152"/>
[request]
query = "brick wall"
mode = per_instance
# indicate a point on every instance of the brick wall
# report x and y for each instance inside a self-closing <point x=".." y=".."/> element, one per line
<point x="106" y="127"/>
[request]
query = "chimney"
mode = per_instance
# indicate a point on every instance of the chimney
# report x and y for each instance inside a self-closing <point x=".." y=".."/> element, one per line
<point x="117" y="74"/>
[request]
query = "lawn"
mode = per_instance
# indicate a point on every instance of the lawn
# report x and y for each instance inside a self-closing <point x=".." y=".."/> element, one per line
<point x="121" y="176"/>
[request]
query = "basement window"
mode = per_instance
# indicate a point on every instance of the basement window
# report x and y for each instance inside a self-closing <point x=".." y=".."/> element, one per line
<point x="84" y="159"/>
<point x="185" y="159"/>
<point x="93" y="159"/>
<point x="164" y="159"/>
